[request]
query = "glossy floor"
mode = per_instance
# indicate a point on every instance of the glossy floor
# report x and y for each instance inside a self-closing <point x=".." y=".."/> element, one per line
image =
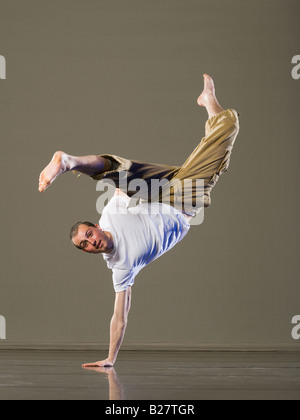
<point x="34" y="375"/>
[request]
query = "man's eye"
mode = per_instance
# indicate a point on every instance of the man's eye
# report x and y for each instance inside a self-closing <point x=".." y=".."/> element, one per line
<point x="90" y="234"/>
<point x="85" y="244"/>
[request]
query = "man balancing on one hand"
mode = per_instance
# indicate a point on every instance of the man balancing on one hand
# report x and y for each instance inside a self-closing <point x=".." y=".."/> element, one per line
<point x="129" y="238"/>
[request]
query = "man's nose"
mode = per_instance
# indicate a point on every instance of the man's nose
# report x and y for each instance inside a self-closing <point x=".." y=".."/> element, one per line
<point x="94" y="243"/>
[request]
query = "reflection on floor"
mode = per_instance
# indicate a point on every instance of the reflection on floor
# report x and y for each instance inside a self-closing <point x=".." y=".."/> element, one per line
<point x="54" y="375"/>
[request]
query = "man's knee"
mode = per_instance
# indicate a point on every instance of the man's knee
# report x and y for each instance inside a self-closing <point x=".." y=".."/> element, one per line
<point x="233" y="122"/>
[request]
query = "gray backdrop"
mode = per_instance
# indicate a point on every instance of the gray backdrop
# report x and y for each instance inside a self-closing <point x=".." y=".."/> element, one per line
<point x="122" y="77"/>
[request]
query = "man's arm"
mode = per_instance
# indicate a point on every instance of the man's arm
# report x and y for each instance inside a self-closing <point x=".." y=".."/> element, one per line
<point x="119" y="323"/>
<point x="117" y="328"/>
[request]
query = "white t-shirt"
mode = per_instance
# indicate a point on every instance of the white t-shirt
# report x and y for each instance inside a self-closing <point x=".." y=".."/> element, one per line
<point x="141" y="234"/>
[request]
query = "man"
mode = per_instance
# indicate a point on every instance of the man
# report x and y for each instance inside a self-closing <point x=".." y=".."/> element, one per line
<point x="131" y="238"/>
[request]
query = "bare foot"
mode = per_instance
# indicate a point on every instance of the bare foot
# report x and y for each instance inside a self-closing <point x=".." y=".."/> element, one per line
<point x="56" y="167"/>
<point x="208" y="93"/>
<point x="208" y="97"/>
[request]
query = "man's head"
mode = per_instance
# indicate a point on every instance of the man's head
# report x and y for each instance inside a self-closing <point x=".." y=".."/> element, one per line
<point x="90" y="238"/>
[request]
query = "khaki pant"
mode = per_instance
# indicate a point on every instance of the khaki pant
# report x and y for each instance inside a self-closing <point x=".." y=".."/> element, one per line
<point x="208" y="161"/>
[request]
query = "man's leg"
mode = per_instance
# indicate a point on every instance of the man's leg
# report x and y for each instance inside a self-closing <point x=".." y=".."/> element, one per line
<point x="62" y="162"/>
<point x="211" y="157"/>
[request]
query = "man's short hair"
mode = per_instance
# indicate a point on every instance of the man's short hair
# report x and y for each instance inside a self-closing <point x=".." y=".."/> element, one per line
<point x="75" y="228"/>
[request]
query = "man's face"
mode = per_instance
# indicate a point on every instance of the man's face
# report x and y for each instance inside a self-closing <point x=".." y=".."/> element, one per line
<point x="91" y="239"/>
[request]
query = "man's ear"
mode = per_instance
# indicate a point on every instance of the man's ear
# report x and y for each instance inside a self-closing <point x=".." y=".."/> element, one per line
<point x="97" y="226"/>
